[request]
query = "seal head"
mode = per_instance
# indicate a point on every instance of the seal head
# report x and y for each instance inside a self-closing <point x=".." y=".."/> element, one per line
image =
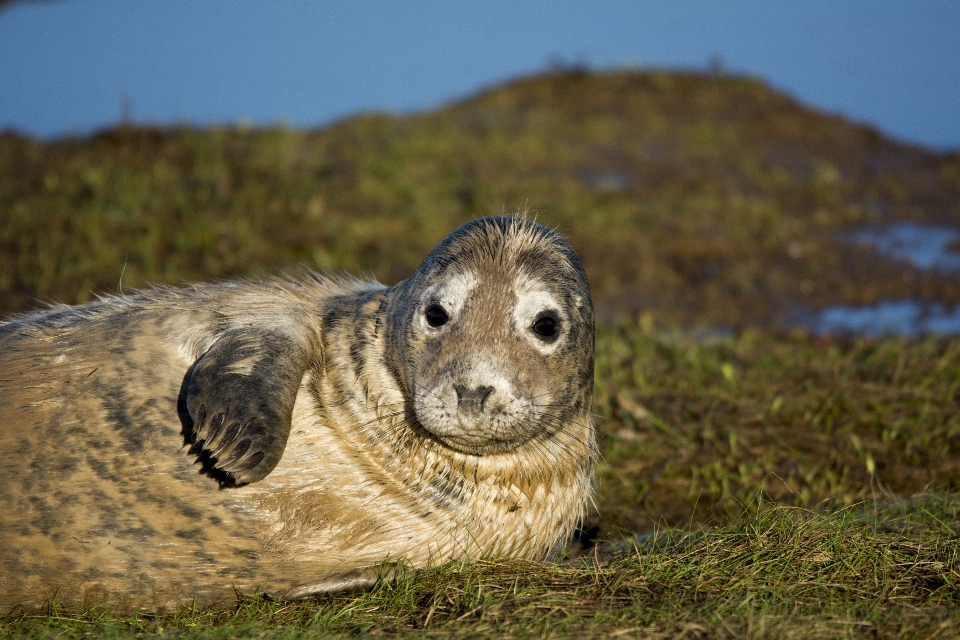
<point x="493" y="337"/>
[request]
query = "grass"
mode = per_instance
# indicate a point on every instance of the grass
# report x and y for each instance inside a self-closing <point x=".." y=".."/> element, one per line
<point x="754" y="482"/>
<point x="756" y="485"/>
<point x="693" y="428"/>
<point x="887" y="570"/>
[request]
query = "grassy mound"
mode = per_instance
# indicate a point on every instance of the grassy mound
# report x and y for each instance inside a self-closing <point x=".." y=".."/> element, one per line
<point x="703" y="199"/>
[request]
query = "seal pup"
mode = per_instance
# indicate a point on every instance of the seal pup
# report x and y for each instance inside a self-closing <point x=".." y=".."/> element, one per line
<point x="290" y="436"/>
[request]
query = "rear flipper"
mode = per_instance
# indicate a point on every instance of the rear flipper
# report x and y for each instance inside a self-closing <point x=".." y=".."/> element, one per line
<point x="356" y="580"/>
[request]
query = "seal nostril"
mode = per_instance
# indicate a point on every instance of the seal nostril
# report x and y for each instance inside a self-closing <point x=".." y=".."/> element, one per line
<point x="472" y="399"/>
<point x="482" y="394"/>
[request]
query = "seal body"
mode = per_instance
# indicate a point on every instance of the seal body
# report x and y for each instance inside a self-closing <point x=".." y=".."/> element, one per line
<point x="291" y="436"/>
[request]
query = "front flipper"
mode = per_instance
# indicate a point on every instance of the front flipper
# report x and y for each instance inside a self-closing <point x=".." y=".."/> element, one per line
<point x="240" y="397"/>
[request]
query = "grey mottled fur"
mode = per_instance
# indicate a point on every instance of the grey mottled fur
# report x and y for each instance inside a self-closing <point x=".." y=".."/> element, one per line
<point x="293" y="435"/>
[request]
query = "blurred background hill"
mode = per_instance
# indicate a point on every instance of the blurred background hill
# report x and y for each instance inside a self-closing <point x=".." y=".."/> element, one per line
<point x="706" y="199"/>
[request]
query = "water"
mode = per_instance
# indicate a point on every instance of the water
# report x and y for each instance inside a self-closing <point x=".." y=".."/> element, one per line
<point x="910" y="318"/>
<point x="925" y="247"/>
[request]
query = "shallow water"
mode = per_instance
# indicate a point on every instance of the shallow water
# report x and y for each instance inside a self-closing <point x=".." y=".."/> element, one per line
<point x="910" y="318"/>
<point x="926" y="247"/>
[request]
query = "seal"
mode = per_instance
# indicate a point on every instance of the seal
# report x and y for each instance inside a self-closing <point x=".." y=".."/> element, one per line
<point x="297" y="436"/>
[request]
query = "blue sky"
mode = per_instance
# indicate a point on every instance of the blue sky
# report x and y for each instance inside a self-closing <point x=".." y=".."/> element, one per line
<point x="68" y="66"/>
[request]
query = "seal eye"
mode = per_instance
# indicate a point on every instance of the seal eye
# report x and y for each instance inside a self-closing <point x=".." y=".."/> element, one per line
<point x="436" y="316"/>
<point x="546" y="328"/>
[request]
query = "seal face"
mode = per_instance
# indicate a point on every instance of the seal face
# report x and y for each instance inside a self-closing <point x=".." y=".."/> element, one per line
<point x="495" y="346"/>
<point x="291" y="436"/>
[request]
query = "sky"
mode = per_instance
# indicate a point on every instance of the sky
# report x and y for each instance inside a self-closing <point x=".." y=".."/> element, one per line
<point x="74" y="66"/>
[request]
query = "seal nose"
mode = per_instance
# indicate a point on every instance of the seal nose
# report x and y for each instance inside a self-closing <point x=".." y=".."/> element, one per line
<point x="471" y="400"/>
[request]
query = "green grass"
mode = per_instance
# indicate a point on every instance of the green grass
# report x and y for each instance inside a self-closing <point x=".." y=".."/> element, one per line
<point x="693" y="428"/>
<point x="757" y="484"/>
<point x="889" y="570"/>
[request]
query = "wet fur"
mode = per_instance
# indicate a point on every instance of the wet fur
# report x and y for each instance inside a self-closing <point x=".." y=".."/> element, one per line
<point x="121" y="484"/>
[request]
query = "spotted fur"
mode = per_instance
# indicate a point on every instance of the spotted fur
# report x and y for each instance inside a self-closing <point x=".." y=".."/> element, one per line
<point x="292" y="435"/>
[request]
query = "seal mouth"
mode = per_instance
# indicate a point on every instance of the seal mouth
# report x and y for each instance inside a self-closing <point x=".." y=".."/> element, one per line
<point x="478" y="446"/>
<point x="473" y="434"/>
<point x="479" y="443"/>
